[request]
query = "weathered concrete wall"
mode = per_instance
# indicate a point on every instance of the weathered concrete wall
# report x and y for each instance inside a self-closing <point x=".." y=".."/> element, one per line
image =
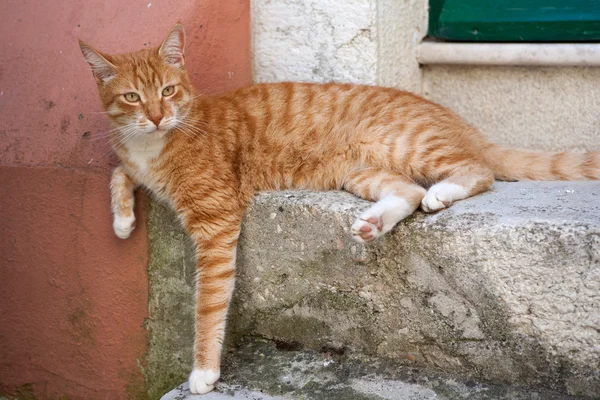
<point x="503" y="286"/>
<point x="360" y="41"/>
<point x="73" y="297"/>
<point x="531" y="107"/>
<point x="316" y="41"/>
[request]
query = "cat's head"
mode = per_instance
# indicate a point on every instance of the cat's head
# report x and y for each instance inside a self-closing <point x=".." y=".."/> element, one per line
<point x="147" y="92"/>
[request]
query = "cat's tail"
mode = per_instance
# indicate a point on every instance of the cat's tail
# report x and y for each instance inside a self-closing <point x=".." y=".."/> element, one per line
<point x="512" y="164"/>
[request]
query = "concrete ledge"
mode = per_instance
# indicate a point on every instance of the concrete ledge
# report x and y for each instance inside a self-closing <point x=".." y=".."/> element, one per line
<point x="262" y="370"/>
<point x="503" y="287"/>
<point x="537" y="54"/>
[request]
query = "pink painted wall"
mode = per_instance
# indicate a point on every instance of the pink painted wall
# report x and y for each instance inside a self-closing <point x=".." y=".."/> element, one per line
<point x="73" y="297"/>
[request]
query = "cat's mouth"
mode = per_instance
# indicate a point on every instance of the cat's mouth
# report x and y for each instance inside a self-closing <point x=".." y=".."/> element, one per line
<point x="157" y="131"/>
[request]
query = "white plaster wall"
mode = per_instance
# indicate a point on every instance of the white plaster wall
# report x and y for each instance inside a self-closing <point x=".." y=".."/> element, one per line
<point x="358" y="41"/>
<point x="316" y="41"/>
<point x="402" y="26"/>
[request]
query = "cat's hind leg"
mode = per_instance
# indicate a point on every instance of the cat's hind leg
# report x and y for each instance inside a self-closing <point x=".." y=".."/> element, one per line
<point x="215" y="234"/>
<point x="463" y="182"/>
<point x="395" y="195"/>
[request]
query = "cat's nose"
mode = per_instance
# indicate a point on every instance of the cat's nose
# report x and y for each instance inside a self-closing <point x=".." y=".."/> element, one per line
<point x="156" y="119"/>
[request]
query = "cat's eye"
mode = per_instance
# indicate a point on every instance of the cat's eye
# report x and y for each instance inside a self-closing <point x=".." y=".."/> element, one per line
<point x="132" y="97"/>
<point x="168" y="91"/>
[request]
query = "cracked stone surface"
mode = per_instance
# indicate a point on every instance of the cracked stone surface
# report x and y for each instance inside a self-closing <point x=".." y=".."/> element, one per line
<point x="258" y="370"/>
<point x="502" y="287"/>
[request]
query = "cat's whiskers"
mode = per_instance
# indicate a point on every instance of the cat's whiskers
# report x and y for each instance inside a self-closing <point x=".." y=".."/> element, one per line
<point x="111" y="132"/>
<point x="118" y="142"/>
<point x="196" y="121"/>
<point x="122" y="140"/>
<point x="126" y="135"/>
<point x="195" y="130"/>
<point x="189" y="133"/>
<point x="198" y="124"/>
<point x="106" y="154"/>
<point x="198" y="95"/>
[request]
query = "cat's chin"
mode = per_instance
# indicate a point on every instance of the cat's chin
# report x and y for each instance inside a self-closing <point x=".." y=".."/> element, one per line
<point x="157" y="133"/>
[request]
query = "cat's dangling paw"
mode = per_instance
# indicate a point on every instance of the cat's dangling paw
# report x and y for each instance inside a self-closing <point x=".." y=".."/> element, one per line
<point x="366" y="229"/>
<point x="203" y="380"/>
<point x="123" y="226"/>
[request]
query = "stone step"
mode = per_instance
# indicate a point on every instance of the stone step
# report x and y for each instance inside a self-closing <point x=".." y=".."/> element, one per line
<point x="502" y="287"/>
<point x="257" y="370"/>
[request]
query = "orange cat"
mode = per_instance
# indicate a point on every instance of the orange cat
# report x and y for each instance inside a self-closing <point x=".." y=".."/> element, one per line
<point x="208" y="155"/>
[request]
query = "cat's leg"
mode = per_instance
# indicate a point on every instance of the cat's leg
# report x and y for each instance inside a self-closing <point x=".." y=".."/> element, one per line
<point x="395" y="195"/>
<point x="464" y="182"/>
<point x="216" y="239"/>
<point x="122" y="202"/>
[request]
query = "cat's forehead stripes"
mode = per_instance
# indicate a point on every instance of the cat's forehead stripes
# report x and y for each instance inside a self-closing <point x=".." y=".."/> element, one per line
<point x="146" y="75"/>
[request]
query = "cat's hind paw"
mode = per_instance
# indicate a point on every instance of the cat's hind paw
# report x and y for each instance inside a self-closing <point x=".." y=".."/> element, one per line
<point x="367" y="229"/>
<point x="433" y="202"/>
<point x="123" y="226"/>
<point x="203" y="380"/>
<point x="380" y="218"/>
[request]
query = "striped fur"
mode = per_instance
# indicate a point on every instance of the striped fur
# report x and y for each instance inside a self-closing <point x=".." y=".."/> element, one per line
<point x="208" y="155"/>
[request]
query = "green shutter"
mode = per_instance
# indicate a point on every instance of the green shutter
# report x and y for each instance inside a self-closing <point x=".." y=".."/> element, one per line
<point x="515" y="21"/>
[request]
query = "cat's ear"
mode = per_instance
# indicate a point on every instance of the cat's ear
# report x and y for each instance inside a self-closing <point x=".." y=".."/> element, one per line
<point x="102" y="69"/>
<point x="171" y="50"/>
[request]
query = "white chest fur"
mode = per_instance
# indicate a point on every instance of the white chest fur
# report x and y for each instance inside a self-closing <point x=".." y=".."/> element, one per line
<point x="143" y="151"/>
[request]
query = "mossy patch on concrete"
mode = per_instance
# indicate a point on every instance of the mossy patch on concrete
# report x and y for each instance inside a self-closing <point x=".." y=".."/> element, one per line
<point x="171" y="272"/>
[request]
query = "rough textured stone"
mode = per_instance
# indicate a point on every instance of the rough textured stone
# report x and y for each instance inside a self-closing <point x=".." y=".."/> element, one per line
<point x="171" y="307"/>
<point x="531" y="107"/>
<point x="359" y="41"/>
<point x="501" y="287"/>
<point x="322" y="40"/>
<point x="260" y="370"/>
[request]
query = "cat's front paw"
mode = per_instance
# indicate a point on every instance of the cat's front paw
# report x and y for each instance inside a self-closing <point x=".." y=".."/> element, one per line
<point x="123" y="226"/>
<point x="203" y="380"/>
